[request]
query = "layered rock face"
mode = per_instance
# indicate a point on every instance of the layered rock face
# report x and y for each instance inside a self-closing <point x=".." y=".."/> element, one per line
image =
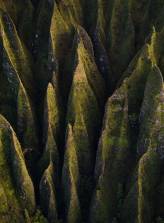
<point x="81" y="111"/>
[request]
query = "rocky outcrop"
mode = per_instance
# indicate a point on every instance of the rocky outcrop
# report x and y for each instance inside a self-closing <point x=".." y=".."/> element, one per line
<point x="81" y="111"/>
<point x="17" y="189"/>
<point x="70" y="180"/>
<point x="112" y="158"/>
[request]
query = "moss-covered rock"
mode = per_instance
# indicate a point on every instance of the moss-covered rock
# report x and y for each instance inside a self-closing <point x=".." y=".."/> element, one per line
<point x="113" y="152"/>
<point x="83" y="108"/>
<point x="85" y="52"/>
<point x="15" y="105"/>
<point x="149" y="107"/>
<point x="48" y="194"/>
<point x="136" y="87"/>
<point x="51" y="131"/>
<point x="16" y="182"/>
<point x="70" y="180"/>
<point x="72" y="11"/>
<point x="16" y="52"/>
<point x="53" y="110"/>
<point x="62" y="34"/>
<point x="60" y="60"/>
<point x="148" y="179"/>
<point x="85" y="103"/>
<point x="38" y="218"/>
<point x="25" y="128"/>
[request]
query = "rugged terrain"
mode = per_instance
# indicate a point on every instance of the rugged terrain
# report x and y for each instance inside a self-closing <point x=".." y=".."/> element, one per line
<point x="81" y="111"/>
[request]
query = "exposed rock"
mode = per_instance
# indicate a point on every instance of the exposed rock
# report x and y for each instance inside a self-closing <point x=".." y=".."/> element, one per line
<point x="17" y="53"/>
<point x="48" y="194"/>
<point x="70" y="180"/>
<point x="148" y="178"/>
<point x="112" y="157"/>
<point x="16" y="182"/>
<point x="81" y="111"/>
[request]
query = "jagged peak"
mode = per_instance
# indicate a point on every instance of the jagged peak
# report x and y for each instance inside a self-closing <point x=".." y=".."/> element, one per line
<point x="50" y="153"/>
<point x="48" y="194"/>
<point x="87" y="65"/>
<point x="53" y="107"/>
<point x="26" y="128"/>
<point x="116" y="104"/>
<point x="72" y="11"/>
<point x="61" y="62"/>
<point x="79" y="74"/>
<point x="148" y="113"/>
<point x="152" y="46"/>
<point x="70" y="179"/>
<point x="70" y="160"/>
<point x="16" y="52"/>
<point x="84" y="40"/>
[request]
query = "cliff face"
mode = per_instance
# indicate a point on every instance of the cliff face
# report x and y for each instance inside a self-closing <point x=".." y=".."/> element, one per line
<point x="81" y="111"/>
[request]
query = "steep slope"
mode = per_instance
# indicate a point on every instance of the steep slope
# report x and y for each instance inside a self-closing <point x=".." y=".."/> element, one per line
<point x="81" y="111"/>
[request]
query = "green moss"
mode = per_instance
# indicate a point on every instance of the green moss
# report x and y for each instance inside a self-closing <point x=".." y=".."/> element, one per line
<point x="16" y="167"/>
<point x="39" y="218"/>
<point x="48" y="194"/>
<point x="53" y="110"/>
<point x="70" y="158"/>
<point x="59" y="33"/>
<point x="148" y="178"/>
<point x="50" y="153"/>
<point x="16" y="52"/>
<point x="70" y="178"/>
<point x="4" y="206"/>
<point x="87" y="91"/>
<point x="148" y="115"/>
<point x="113" y="152"/>
<point x="15" y="105"/>
<point x="72" y="11"/>
<point x="10" y="207"/>
<point x="137" y="80"/>
<point x="86" y="54"/>
<point x="75" y="45"/>
<point x="62" y="35"/>
<point x="51" y="130"/>
<point x="9" y="84"/>
<point x="26" y="129"/>
<point x="9" y="198"/>
<point x="136" y="87"/>
<point x="27" y="217"/>
<point x="83" y="110"/>
<point x="159" y="50"/>
<point x="153" y="47"/>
